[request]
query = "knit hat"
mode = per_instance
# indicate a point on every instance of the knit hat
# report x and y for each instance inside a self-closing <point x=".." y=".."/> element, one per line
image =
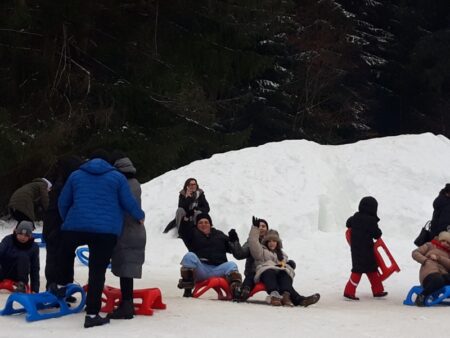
<point x="49" y="184"/>
<point x="25" y="228"/>
<point x="265" y="222"/>
<point x="444" y="236"/>
<point x="272" y="235"/>
<point x="201" y="216"/>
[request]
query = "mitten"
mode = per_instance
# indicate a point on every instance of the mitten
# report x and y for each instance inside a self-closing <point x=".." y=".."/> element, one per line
<point x="233" y="236"/>
<point x="255" y="221"/>
<point x="291" y="263"/>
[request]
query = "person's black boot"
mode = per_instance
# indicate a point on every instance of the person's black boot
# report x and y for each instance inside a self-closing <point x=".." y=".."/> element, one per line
<point x="235" y="281"/>
<point x="95" y="321"/>
<point x="124" y="311"/>
<point x="420" y="300"/>
<point x="20" y="287"/>
<point x="187" y="281"/>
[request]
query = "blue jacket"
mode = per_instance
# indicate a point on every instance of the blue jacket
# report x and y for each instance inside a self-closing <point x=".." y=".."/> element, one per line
<point x="94" y="199"/>
<point x="10" y="250"/>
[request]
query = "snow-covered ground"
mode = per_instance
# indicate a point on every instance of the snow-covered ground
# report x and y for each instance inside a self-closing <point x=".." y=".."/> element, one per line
<point x="306" y="191"/>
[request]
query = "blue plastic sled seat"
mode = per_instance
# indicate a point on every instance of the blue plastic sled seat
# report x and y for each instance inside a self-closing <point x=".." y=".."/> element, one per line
<point x="439" y="297"/>
<point x="43" y="305"/>
<point x="83" y="255"/>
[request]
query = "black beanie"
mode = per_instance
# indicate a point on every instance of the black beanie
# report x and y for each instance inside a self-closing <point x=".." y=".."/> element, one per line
<point x="203" y="215"/>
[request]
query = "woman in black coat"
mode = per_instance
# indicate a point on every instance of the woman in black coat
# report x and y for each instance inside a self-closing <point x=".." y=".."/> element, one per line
<point x="364" y="229"/>
<point x="441" y="212"/>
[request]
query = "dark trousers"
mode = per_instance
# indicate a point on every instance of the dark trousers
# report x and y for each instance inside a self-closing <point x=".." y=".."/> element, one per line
<point x="434" y="282"/>
<point x="276" y="280"/>
<point x="53" y="248"/>
<point x="17" y="270"/>
<point x="126" y="288"/>
<point x="249" y="281"/>
<point x="101" y="247"/>
<point x="19" y="216"/>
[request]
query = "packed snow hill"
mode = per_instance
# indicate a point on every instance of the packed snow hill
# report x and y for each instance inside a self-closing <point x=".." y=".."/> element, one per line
<point x="306" y="191"/>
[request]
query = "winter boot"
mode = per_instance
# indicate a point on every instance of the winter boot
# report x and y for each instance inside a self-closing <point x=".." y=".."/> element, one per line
<point x="420" y="300"/>
<point x="352" y="297"/>
<point x="245" y="293"/>
<point x="310" y="300"/>
<point x="124" y="311"/>
<point x="274" y="299"/>
<point x="286" y="299"/>
<point x="94" y="321"/>
<point x="20" y="287"/>
<point x="235" y="281"/>
<point x="187" y="281"/>
<point x="380" y="294"/>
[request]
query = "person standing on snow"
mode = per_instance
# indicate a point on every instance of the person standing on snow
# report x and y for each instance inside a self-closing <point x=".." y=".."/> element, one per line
<point x="92" y="205"/>
<point x="364" y="229"/>
<point x="129" y="254"/>
<point x="27" y="199"/>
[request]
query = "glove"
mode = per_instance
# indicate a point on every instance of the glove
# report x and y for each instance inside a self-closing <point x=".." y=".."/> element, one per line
<point x="233" y="236"/>
<point x="255" y="221"/>
<point x="291" y="263"/>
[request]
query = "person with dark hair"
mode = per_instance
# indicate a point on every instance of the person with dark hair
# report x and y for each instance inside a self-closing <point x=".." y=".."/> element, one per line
<point x="92" y="204"/>
<point x="129" y="254"/>
<point x="51" y="231"/>
<point x="441" y="212"/>
<point x="243" y="252"/>
<point x="273" y="270"/>
<point x="364" y="229"/>
<point x="207" y="256"/>
<point x="28" y="199"/>
<point x="19" y="257"/>
<point x="434" y="259"/>
<point x="191" y="202"/>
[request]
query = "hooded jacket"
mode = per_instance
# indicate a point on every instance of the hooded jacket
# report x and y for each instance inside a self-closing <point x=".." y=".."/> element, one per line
<point x="428" y="266"/>
<point x="129" y="253"/>
<point x="95" y="198"/>
<point x="26" y="198"/>
<point x="364" y="225"/>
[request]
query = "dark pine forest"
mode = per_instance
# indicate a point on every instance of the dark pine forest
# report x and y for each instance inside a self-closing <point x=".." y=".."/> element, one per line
<point x="172" y="81"/>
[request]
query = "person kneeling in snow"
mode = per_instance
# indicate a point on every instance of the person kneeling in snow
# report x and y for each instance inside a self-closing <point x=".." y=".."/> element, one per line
<point x="243" y="252"/>
<point x="19" y="257"/>
<point x="434" y="258"/>
<point x="207" y="256"/>
<point x="272" y="268"/>
<point x="364" y="226"/>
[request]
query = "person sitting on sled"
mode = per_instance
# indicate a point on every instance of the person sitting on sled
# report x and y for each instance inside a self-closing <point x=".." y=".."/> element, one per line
<point x="434" y="259"/>
<point x="364" y="229"/>
<point x="207" y="256"/>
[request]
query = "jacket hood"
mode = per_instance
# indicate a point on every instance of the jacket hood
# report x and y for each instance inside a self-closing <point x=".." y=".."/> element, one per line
<point x="97" y="166"/>
<point x="368" y="205"/>
<point x="124" y="165"/>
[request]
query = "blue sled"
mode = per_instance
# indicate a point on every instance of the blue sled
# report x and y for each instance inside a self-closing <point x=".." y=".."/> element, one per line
<point x="33" y="304"/>
<point x="439" y="297"/>
<point x="82" y="256"/>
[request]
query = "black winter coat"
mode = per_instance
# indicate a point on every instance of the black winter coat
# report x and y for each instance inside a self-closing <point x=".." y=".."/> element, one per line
<point x="11" y="249"/>
<point x="364" y="225"/>
<point x="441" y="214"/>
<point x="211" y="249"/>
<point x="196" y="202"/>
<point x="52" y="220"/>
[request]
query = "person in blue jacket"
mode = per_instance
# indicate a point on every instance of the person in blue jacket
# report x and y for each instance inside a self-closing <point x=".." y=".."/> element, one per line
<point x="19" y="257"/>
<point x="92" y="205"/>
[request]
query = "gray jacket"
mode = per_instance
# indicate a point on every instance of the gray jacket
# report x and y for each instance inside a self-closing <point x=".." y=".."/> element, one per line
<point x="129" y="253"/>
<point x="264" y="258"/>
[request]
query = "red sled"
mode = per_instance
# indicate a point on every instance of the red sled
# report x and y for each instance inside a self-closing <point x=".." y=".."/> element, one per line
<point x="384" y="270"/>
